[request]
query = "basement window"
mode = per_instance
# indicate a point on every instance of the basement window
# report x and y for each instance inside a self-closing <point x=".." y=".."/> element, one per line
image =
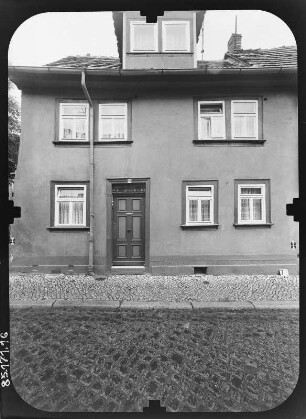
<point x="198" y="270"/>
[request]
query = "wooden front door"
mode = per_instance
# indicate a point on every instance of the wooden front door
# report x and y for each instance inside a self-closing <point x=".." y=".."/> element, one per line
<point x="128" y="226"/>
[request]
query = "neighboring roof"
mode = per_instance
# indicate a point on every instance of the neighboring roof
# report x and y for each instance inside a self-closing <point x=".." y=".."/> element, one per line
<point x="285" y="57"/>
<point x="87" y="61"/>
<point x="273" y="57"/>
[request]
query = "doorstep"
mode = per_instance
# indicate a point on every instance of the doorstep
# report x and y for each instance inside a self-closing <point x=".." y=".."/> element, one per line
<point x="127" y="270"/>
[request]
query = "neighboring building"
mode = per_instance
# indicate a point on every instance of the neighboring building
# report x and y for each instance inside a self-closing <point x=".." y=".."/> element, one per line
<point x="194" y="162"/>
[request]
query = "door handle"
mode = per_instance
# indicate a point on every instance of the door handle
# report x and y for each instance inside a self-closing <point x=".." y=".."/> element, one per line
<point x="129" y="229"/>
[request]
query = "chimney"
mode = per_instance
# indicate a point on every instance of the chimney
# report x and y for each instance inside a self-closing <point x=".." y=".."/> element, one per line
<point x="234" y="43"/>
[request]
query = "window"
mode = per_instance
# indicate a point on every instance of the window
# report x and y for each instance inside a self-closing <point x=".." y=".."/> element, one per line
<point x="251" y="204"/>
<point x="176" y="36"/>
<point x="73" y="121"/>
<point x="112" y="121"/>
<point x="199" y="204"/>
<point x="244" y="118"/>
<point x="143" y="37"/>
<point x="70" y="205"/>
<point x="228" y="120"/>
<point x="211" y="120"/>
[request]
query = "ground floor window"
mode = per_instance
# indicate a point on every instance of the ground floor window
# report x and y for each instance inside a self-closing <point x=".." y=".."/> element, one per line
<point x="69" y="202"/>
<point x="252" y="204"/>
<point x="199" y="203"/>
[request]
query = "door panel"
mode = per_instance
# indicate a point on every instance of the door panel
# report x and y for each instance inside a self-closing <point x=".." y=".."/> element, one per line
<point x="128" y="230"/>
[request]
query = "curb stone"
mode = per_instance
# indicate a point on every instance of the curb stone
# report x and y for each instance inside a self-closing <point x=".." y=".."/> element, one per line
<point x="87" y="303"/>
<point x="233" y="305"/>
<point x="156" y="304"/>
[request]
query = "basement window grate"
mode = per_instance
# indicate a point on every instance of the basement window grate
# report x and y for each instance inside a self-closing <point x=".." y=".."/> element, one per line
<point x="200" y="270"/>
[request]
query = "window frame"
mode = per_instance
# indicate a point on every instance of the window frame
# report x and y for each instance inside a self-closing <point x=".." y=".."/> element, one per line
<point x="266" y="202"/>
<point x="228" y="139"/>
<point x="199" y="199"/>
<point x="134" y="23"/>
<point x="251" y="197"/>
<point x="186" y="23"/>
<point x="57" y="200"/>
<point x="206" y="102"/>
<point x="61" y="118"/>
<point x="126" y="132"/>
<point x="54" y="225"/>
<point x="213" y="223"/>
<point x="233" y="115"/>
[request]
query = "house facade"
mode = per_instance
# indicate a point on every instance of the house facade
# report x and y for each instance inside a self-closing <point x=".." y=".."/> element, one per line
<point x="156" y="162"/>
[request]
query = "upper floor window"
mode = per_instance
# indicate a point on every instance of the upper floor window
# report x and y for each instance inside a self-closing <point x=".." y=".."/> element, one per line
<point x="176" y="36"/>
<point x="199" y="204"/>
<point x="70" y="205"/>
<point x="244" y="118"/>
<point x="143" y="37"/>
<point x="112" y="121"/>
<point x="229" y="120"/>
<point x="73" y="121"/>
<point x="211" y="120"/>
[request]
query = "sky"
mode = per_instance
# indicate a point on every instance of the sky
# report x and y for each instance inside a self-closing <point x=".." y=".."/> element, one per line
<point x="48" y="37"/>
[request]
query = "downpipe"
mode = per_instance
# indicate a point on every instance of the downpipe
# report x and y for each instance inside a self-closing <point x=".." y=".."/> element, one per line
<point x="91" y="177"/>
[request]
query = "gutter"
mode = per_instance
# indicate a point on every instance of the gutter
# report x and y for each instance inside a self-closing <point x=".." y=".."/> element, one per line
<point x="26" y="71"/>
<point x="91" y="177"/>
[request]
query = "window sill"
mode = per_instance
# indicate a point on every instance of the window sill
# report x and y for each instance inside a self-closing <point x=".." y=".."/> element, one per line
<point x="200" y="226"/>
<point x="68" y="228"/>
<point x="158" y="52"/>
<point x="229" y="141"/>
<point x="110" y="142"/>
<point x="87" y="143"/>
<point x="253" y="225"/>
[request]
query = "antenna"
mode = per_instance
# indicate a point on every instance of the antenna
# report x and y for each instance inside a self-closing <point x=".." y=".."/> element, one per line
<point x="235" y="24"/>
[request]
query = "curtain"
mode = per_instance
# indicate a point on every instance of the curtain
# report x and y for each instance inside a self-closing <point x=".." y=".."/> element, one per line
<point x="63" y="213"/>
<point x="205" y="210"/>
<point x="257" y="209"/>
<point x="193" y="210"/>
<point x="77" y="212"/>
<point x="245" y="209"/>
<point x="144" y="37"/>
<point x="176" y="37"/>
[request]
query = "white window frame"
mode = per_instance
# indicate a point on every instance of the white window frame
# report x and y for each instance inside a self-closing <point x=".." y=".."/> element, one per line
<point x="195" y="195"/>
<point x="113" y="117"/>
<point x="262" y="196"/>
<point x="186" y="23"/>
<point x="208" y="102"/>
<point x="74" y="117"/>
<point x="134" y="23"/>
<point x="57" y="200"/>
<point x="233" y="116"/>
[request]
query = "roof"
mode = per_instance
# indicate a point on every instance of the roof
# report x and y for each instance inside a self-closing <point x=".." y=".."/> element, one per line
<point x="249" y="58"/>
<point x="285" y="56"/>
<point x="87" y="61"/>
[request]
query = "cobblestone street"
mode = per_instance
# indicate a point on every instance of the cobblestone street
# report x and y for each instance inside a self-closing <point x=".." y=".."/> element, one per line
<point x="155" y="288"/>
<point x="88" y="359"/>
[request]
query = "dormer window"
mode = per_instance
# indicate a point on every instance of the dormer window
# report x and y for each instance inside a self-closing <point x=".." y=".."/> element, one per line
<point x="176" y="36"/>
<point x="143" y="37"/>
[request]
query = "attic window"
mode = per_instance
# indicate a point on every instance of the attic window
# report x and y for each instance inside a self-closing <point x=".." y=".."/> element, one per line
<point x="143" y="37"/>
<point x="176" y="36"/>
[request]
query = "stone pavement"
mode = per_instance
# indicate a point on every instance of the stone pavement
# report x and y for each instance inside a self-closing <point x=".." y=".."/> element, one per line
<point x="183" y="288"/>
<point x="88" y="359"/>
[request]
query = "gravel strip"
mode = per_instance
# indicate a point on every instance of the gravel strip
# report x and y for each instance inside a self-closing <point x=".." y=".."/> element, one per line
<point x="155" y="288"/>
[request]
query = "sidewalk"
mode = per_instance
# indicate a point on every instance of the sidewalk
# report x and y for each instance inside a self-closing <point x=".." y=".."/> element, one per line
<point x="149" y="292"/>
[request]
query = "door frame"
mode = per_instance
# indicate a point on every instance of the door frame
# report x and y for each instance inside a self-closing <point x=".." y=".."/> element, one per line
<point x="109" y="213"/>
